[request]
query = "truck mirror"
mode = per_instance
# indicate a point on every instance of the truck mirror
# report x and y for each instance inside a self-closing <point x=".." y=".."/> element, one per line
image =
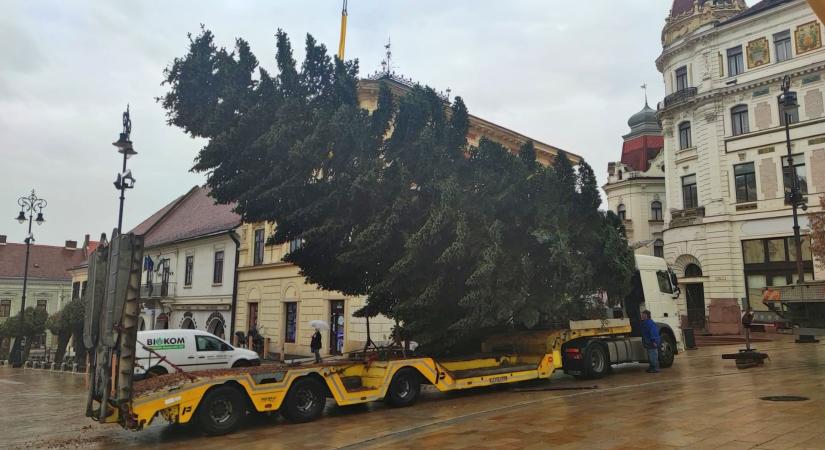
<point x="675" y="282"/>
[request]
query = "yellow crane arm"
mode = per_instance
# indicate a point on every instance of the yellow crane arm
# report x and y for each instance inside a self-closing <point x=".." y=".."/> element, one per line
<point x="343" y="40"/>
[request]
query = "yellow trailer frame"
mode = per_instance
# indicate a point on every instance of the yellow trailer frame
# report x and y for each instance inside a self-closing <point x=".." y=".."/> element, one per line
<point x="532" y="355"/>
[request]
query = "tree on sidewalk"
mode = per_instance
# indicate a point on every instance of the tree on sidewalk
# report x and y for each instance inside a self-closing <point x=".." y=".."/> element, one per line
<point x="451" y="240"/>
<point x="817" y="221"/>
<point x="58" y="325"/>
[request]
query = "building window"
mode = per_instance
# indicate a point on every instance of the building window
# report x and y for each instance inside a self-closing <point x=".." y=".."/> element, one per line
<point x="782" y="43"/>
<point x="739" y="119"/>
<point x="656" y="211"/>
<point x="684" y="135"/>
<point x="258" y="254"/>
<point x="659" y="248"/>
<point x="801" y="176"/>
<point x="772" y="262"/>
<point x="190" y="267"/>
<point x="621" y="212"/>
<point x="217" y="270"/>
<point x="736" y="63"/>
<point x="291" y="320"/>
<point x="745" y="180"/>
<point x="692" y="271"/>
<point x="42" y="304"/>
<point x="793" y="114"/>
<point x="690" y="195"/>
<point x="681" y="78"/>
<point x="75" y="290"/>
<point x="295" y="244"/>
<point x="5" y="308"/>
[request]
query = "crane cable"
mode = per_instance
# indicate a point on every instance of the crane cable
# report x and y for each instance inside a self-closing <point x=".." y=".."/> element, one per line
<point x="343" y="38"/>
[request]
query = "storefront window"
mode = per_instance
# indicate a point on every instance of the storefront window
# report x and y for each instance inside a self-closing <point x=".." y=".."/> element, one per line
<point x="754" y="251"/>
<point x="776" y="250"/>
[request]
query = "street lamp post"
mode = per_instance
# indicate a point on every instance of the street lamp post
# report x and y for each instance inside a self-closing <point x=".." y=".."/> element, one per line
<point x="124" y="178"/>
<point x="794" y="197"/>
<point x="29" y="205"/>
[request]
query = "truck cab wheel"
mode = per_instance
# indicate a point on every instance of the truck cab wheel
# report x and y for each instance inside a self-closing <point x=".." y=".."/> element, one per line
<point x="596" y="363"/>
<point x="404" y="388"/>
<point x="156" y="371"/>
<point x="305" y="401"/>
<point x="221" y="411"/>
<point x="667" y="350"/>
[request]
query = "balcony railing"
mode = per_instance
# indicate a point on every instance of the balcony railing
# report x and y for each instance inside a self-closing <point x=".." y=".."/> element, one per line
<point x="680" y="96"/>
<point x="157" y="290"/>
<point x="685" y="217"/>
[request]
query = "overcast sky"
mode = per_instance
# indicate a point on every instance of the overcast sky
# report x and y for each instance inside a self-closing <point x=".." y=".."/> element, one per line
<point x="566" y="73"/>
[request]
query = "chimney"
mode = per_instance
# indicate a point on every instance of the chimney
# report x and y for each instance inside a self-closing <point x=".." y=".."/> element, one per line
<point x="2" y="239"/>
<point x="71" y="244"/>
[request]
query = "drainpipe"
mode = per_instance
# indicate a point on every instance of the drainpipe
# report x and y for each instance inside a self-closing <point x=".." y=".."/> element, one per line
<point x="236" y="240"/>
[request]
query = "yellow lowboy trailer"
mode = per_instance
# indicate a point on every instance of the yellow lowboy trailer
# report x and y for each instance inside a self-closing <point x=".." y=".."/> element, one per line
<point x="218" y="400"/>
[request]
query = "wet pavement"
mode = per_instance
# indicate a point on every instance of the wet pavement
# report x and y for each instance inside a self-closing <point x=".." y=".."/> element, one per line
<point x="702" y="402"/>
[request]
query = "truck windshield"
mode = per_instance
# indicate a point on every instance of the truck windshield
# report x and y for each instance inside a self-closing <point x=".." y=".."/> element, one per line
<point x="664" y="281"/>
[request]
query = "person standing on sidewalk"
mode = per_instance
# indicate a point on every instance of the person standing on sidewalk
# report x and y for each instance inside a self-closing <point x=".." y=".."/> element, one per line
<point x="651" y="341"/>
<point x="315" y="345"/>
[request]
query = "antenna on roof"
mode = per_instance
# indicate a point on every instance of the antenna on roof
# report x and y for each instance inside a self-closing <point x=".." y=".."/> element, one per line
<point x="386" y="64"/>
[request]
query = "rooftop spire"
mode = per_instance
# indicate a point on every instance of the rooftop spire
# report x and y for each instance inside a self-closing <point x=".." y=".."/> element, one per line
<point x="644" y="88"/>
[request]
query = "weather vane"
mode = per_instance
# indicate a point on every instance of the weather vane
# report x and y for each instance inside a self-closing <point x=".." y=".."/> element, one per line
<point x="386" y="64"/>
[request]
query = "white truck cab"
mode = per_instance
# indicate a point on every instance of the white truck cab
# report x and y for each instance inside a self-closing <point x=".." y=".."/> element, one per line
<point x="190" y="350"/>
<point x="660" y="291"/>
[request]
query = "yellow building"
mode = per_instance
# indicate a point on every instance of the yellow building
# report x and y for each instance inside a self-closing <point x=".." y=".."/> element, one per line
<point x="273" y="297"/>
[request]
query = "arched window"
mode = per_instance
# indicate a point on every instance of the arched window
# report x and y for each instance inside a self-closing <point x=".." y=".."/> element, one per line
<point x="739" y="119"/>
<point x="621" y="212"/>
<point x="692" y="270"/>
<point x="656" y="211"/>
<point x="659" y="248"/>
<point x="685" y="140"/>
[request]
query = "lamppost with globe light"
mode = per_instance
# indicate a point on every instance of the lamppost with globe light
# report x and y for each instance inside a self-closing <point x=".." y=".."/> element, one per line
<point x="29" y="204"/>
<point x="794" y="197"/>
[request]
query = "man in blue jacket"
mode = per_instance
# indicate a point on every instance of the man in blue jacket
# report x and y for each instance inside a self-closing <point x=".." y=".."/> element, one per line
<point x="651" y="341"/>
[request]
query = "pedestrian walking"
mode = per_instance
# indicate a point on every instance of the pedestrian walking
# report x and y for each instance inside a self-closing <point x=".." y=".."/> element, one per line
<point x="315" y="345"/>
<point x="651" y="341"/>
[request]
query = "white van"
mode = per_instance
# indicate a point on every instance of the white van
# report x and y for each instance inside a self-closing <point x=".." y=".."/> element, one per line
<point x="189" y="350"/>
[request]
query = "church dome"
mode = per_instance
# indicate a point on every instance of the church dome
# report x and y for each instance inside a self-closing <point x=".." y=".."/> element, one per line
<point x="646" y="116"/>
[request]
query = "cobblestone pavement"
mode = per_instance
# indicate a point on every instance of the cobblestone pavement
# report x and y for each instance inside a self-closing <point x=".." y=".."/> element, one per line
<point x="702" y="402"/>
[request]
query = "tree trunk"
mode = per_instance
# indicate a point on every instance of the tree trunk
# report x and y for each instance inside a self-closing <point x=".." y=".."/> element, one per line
<point x="27" y="348"/>
<point x="62" y="342"/>
<point x="79" y="348"/>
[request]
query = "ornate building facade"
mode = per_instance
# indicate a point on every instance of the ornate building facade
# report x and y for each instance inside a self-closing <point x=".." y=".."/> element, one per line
<point x="728" y="229"/>
<point x="635" y="186"/>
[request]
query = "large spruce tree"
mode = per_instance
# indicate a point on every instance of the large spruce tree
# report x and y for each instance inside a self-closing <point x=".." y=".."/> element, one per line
<point x="452" y="241"/>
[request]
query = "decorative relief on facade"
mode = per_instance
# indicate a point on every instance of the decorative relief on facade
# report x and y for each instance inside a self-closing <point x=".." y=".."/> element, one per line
<point x="818" y="176"/>
<point x="759" y="52"/>
<point x="767" y="178"/>
<point x="808" y="37"/>
<point x="763" y="115"/>
<point x="710" y="117"/>
<point x="814" y="107"/>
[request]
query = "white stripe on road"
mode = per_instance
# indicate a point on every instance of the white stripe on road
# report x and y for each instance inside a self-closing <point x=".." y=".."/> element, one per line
<point x="10" y="381"/>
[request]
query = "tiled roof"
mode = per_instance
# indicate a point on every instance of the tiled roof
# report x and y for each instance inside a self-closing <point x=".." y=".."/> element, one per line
<point x="764" y="5"/>
<point x="190" y="216"/>
<point x="46" y="262"/>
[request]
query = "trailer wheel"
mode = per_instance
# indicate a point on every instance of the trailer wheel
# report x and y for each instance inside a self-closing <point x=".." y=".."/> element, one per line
<point x="596" y="363"/>
<point x="305" y="400"/>
<point x="221" y="411"/>
<point x="667" y="350"/>
<point x="156" y="371"/>
<point x="404" y="388"/>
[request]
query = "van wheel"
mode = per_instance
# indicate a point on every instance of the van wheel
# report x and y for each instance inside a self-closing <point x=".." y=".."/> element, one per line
<point x="404" y="388"/>
<point x="240" y="363"/>
<point x="667" y="350"/>
<point x="596" y="363"/>
<point x="221" y="411"/>
<point x="156" y="371"/>
<point x="305" y="401"/>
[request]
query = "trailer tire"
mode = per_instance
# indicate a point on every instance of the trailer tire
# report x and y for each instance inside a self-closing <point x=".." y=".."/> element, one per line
<point x="404" y="388"/>
<point x="596" y="361"/>
<point x="221" y="411"/>
<point x="156" y="371"/>
<point x="305" y="400"/>
<point x="667" y="350"/>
